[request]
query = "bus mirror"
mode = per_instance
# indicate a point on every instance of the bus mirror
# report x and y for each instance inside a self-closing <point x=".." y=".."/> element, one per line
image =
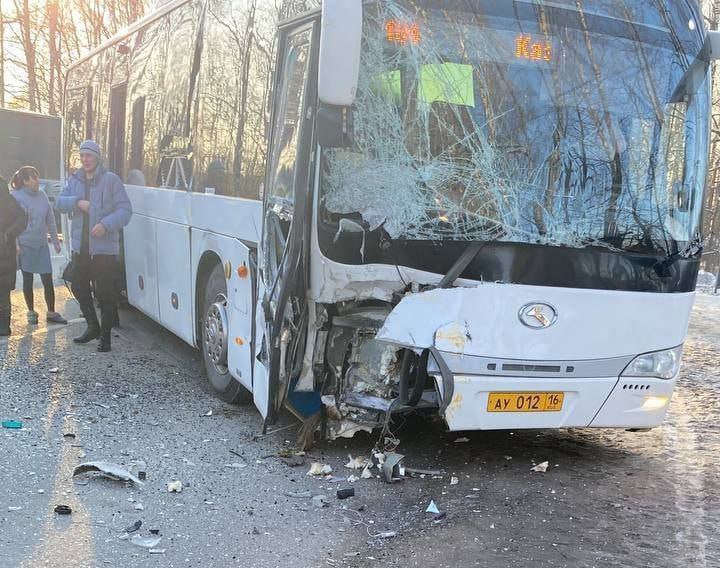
<point x="713" y="39"/>
<point x="340" y="35"/>
<point x="334" y="126"/>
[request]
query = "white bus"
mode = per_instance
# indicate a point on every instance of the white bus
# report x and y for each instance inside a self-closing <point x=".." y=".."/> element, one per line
<point x="487" y="210"/>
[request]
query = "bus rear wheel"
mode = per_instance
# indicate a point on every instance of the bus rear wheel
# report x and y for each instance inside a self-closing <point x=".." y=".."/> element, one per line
<point x="214" y="340"/>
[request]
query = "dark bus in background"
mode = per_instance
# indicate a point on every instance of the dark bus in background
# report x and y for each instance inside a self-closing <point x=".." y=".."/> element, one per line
<point x="30" y="138"/>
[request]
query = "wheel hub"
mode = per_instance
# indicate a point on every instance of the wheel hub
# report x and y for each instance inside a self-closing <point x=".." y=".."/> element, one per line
<point x="216" y="335"/>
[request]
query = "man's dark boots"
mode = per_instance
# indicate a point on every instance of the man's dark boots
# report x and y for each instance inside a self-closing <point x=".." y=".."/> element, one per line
<point x="108" y="318"/>
<point x="93" y="327"/>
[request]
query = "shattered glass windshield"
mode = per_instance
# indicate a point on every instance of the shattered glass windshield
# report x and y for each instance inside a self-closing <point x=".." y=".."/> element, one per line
<point x="569" y="124"/>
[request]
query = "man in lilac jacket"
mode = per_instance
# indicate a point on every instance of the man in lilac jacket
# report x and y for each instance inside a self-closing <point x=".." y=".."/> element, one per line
<point x="99" y="208"/>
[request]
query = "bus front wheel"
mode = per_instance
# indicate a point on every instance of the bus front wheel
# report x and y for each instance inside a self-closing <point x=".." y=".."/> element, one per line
<point x="214" y="340"/>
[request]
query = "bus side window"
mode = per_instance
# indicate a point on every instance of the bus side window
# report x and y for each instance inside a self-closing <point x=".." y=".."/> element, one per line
<point x="233" y="86"/>
<point x="137" y="139"/>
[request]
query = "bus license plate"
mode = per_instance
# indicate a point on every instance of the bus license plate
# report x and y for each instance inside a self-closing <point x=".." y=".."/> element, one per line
<point x="525" y="401"/>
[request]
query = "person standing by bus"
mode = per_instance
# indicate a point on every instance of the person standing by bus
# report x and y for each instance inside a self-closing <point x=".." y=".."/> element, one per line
<point x="12" y="222"/>
<point x="99" y="207"/>
<point x="33" y="242"/>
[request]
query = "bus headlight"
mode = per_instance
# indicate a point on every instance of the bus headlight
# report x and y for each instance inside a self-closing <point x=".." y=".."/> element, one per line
<point x="661" y="364"/>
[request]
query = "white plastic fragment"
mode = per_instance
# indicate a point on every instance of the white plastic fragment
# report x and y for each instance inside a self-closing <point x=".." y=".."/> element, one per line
<point x="157" y="551"/>
<point x="107" y="469"/>
<point x="54" y="370"/>
<point x="541" y="467"/>
<point x="139" y="507"/>
<point x="355" y="463"/>
<point x="317" y="468"/>
<point x="454" y="480"/>
<point x="175" y="486"/>
<point x="352" y="478"/>
<point x="145" y="541"/>
<point x="432" y="508"/>
<point x="366" y="473"/>
<point x="462" y="440"/>
<point x="11" y="509"/>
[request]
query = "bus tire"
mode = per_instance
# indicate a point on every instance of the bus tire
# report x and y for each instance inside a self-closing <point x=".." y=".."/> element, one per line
<point x="214" y="340"/>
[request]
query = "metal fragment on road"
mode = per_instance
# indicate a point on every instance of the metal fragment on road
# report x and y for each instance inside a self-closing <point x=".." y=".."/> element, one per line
<point x="413" y="471"/>
<point x="107" y="469"/>
<point x="392" y="469"/>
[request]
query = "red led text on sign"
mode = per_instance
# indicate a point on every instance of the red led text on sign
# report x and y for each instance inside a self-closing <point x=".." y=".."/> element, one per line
<point x="402" y="32"/>
<point x="527" y="48"/>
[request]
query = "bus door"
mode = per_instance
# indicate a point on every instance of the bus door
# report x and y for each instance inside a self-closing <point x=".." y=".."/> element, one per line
<point x="283" y="273"/>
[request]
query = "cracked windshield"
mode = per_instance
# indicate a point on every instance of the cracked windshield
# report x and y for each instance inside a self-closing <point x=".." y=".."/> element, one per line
<point x="525" y="123"/>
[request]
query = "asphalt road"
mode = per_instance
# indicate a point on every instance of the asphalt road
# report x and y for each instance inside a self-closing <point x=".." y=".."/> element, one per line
<point x="608" y="498"/>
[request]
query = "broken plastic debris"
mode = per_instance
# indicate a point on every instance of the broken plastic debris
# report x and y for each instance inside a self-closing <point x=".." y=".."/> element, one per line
<point x="107" y="469"/>
<point x="352" y="478"/>
<point x="54" y="370"/>
<point x="386" y="534"/>
<point x="157" y="551"/>
<point x="346" y="492"/>
<point x="139" y="507"/>
<point x="462" y="440"/>
<point x="508" y="458"/>
<point x="63" y="509"/>
<point x="355" y="463"/>
<point x="208" y="413"/>
<point x="366" y="473"/>
<point x="175" y="486"/>
<point x="317" y="468"/>
<point x="145" y="541"/>
<point x="134" y="527"/>
<point x="432" y="508"/>
<point x="12" y="424"/>
<point x="454" y="480"/>
<point x="541" y="467"/>
<point x="11" y="509"/>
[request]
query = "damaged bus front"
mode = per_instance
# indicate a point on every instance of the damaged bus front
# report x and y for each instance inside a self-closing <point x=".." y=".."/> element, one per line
<point x="498" y="215"/>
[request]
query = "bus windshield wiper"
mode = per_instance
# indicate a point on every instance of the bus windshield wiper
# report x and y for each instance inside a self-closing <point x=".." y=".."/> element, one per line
<point x="461" y="264"/>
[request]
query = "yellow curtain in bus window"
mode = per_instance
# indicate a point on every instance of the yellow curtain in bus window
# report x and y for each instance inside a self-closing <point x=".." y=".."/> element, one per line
<point x="450" y="83"/>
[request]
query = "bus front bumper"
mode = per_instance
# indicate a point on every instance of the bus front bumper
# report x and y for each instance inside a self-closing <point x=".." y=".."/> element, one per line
<point x="587" y="402"/>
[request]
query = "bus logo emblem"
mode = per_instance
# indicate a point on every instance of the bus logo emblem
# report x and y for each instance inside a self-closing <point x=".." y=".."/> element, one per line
<point x="537" y="315"/>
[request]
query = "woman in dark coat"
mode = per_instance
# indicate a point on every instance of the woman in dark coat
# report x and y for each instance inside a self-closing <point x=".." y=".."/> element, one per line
<point x="12" y="222"/>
